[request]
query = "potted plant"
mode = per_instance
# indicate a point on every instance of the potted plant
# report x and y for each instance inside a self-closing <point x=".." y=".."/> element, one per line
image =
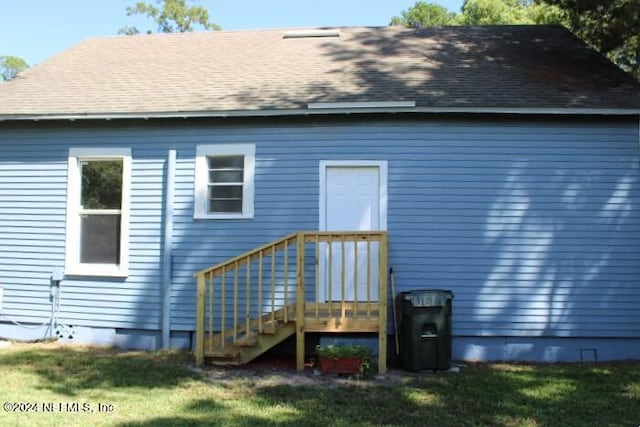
<point x="344" y="359"/>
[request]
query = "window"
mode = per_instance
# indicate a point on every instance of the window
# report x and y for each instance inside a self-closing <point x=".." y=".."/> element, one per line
<point x="98" y="211"/>
<point x="224" y="181"/>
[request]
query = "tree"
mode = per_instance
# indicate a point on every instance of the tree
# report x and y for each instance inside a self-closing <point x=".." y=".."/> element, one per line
<point x="510" y="12"/>
<point x="491" y="12"/>
<point x="481" y="12"/>
<point x="423" y="14"/>
<point x="10" y="66"/>
<point x="171" y="16"/>
<point x="610" y="27"/>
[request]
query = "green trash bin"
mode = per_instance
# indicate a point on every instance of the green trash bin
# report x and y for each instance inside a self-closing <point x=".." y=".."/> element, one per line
<point x="425" y="329"/>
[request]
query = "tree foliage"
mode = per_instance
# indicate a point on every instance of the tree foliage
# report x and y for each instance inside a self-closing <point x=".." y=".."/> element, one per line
<point x="487" y="12"/>
<point x="481" y="12"/>
<point x="611" y="27"/>
<point x="424" y="14"/>
<point x="101" y="184"/>
<point x="10" y="66"/>
<point x="171" y="16"/>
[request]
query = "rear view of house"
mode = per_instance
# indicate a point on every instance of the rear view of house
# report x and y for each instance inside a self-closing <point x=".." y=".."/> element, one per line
<point x="223" y="191"/>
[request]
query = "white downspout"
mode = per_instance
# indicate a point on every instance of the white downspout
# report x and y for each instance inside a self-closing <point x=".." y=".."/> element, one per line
<point x="167" y="249"/>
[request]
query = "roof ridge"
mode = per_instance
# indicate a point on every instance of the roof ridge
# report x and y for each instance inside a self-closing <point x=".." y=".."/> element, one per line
<point x="313" y="27"/>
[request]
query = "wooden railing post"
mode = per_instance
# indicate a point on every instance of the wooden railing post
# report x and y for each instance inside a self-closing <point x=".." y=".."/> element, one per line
<point x="248" y="298"/>
<point x="300" y="245"/>
<point x="235" y="302"/>
<point x="223" y="308"/>
<point x="200" y="320"/>
<point x="382" y="310"/>
<point x="285" y="280"/>
<point x="210" y="282"/>
<point x="260" y="329"/>
<point x="343" y="285"/>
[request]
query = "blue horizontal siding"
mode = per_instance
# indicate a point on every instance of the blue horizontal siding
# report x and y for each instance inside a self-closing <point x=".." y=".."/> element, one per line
<point x="33" y="173"/>
<point x="533" y="223"/>
<point x="530" y="224"/>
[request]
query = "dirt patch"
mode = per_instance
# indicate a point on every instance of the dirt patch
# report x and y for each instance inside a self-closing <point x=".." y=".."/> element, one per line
<point x="266" y="371"/>
<point x="274" y="371"/>
<point x="309" y="377"/>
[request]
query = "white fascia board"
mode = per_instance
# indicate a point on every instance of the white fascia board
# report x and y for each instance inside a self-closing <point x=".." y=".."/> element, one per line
<point x="321" y="111"/>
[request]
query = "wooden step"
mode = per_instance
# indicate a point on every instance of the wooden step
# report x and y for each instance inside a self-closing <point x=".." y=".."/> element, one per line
<point x="251" y="344"/>
<point x="267" y="341"/>
<point x="249" y="340"/>
<point x="229" y="355"/>
<point x="223" y="362"/>
<point x="270" y="327"/>
<point x="223" y="353"/>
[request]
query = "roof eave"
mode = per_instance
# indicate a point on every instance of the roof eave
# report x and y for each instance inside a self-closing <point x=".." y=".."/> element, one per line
<point x="318" y="111"/>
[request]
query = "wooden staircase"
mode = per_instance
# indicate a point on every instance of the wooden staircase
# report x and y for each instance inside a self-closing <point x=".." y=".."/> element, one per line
<point x="248" y="304"/>
<point x="222" y="350"/>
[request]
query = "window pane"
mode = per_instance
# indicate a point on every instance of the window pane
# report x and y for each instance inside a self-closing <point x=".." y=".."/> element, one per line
<point x="100" y="239"/>
<point x="225" y="170"/>
<point x="226" y="162"/>
<point x="225" y="206"/>
<point x="225" y="192"/>
<point x="225" y="176"/>
<point x="101" y="184"/>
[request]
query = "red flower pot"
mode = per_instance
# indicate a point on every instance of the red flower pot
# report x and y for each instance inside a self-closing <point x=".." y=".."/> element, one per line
<point x="340" y="365"/>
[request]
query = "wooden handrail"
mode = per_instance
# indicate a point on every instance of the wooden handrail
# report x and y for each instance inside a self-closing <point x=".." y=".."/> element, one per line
<point x="253" y="253"/>
<point x="309" y="236"/>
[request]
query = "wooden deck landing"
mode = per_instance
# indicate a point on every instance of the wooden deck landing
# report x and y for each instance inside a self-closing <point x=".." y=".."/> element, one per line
<point x="325" y="317"/>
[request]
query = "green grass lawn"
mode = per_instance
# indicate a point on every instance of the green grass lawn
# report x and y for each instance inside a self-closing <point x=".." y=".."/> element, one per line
<point x="81" y="386"/>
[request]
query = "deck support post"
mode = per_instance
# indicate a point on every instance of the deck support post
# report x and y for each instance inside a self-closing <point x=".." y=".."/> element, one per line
<point x="300" y="302"/>
<point x="200" y="320"/>
<point x="382" y="313"/>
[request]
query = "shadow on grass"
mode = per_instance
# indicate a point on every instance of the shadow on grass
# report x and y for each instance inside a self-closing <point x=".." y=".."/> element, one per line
<point x="70" y="370"/>
<point x="247" y="412"/>
<point x="501" y="395"/>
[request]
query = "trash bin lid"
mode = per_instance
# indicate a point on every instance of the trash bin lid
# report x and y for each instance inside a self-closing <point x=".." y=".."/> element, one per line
<point x="428" y="297"/>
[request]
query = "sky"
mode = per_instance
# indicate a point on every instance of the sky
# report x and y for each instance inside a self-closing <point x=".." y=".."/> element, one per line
<point x="37" y="29"/>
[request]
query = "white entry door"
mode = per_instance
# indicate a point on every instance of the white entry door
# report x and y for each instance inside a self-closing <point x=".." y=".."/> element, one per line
<point x="353" y="198"/>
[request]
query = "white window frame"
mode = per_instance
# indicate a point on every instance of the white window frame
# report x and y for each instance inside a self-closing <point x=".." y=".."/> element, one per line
<point x="73" y="266"/>
<point x="200" y="210"/>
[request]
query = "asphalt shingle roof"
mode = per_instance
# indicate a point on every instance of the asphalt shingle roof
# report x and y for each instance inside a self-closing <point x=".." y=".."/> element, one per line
<point x="505" y="67"/>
